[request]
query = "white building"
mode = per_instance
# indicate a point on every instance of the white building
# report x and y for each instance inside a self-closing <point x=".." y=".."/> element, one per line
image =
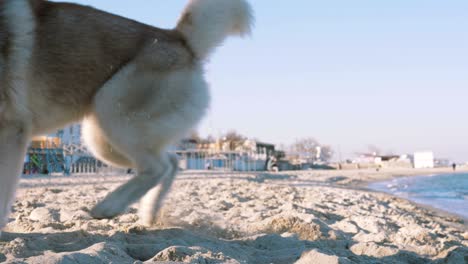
<point x="423" y="160"/>
<point x="71" y="135"/>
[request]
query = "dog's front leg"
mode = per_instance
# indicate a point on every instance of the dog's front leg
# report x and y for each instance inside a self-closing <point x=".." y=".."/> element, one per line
<point x="14" y="137"/>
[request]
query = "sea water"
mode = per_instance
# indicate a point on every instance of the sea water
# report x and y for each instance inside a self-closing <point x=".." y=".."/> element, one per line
<point x="448" y="192"/>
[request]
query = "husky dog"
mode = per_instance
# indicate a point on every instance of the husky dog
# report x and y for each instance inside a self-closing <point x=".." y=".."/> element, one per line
<point x="136" y="88"/>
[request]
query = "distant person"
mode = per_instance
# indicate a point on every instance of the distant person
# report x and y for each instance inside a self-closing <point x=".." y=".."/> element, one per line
<point x="208" y="166"/>
<point x="454" y="166"/>
<point x="271" y="164"/>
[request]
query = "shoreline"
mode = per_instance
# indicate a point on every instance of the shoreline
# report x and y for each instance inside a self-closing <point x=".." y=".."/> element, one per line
<point x="442" y="212"/>
<point x="389" y="174"/>
<point x="458" y="221"/>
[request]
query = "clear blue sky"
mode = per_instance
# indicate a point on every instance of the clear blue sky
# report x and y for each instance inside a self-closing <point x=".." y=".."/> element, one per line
<point x="349" y="73"/>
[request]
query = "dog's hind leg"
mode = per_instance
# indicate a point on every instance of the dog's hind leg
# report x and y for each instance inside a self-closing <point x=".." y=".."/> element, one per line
<point x="150" y="173"/>
<point x="13" y="143"/>
<point x="152" y="201"/>
<point x="99" y="145"/>
<point x="140" y="113"/>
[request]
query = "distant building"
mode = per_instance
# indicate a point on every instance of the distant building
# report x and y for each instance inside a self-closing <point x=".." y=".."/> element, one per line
<point x="44" y="155"/>
<point x="373" y="160"/>
<point x="424" y="160"/>
<point x="441" y="163"/>
<point x="71" y="135"/>
<point x="366" y="158"/>
<point x="184" y="145"/>
<point x="239" y="155"/>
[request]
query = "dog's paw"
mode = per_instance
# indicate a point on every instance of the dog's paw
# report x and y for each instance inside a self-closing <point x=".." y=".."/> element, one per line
<point x="106" y="210"/>
<point x="147" y="218"/>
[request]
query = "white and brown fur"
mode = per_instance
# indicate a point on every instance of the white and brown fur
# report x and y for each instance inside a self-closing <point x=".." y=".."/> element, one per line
<point x="136" y="88"/>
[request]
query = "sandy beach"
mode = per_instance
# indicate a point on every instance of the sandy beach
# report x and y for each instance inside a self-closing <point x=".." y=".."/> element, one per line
<point x="216" y="217"/>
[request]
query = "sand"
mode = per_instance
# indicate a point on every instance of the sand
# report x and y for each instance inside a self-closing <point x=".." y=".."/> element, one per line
<point x="216" y="217"/>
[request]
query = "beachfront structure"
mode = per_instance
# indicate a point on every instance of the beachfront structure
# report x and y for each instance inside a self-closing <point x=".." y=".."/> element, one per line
<point x="423" y="160"/>
<point x="66" y="153"/>
<point x="77" y="158"/>
<point x="366" y="158"/>
<point x="245" y="155"/>
<point x="442" y="163"/>
<point x="373" y="160"/>
<point x="44" y="156"/>
<point x="70" y="135"/>
<point x="61" y="152"/>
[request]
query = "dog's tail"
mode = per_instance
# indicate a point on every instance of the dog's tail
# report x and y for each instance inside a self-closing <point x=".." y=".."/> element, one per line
<point x="206" y="23"/>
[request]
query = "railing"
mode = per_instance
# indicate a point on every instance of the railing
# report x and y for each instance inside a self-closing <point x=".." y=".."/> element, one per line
<point x="221" y="160"/>
<point x="75" y="149"/>
<point x="78" y="160"/>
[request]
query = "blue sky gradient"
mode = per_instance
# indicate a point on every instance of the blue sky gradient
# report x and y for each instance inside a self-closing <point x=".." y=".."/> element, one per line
<point x="349" y="73"/>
